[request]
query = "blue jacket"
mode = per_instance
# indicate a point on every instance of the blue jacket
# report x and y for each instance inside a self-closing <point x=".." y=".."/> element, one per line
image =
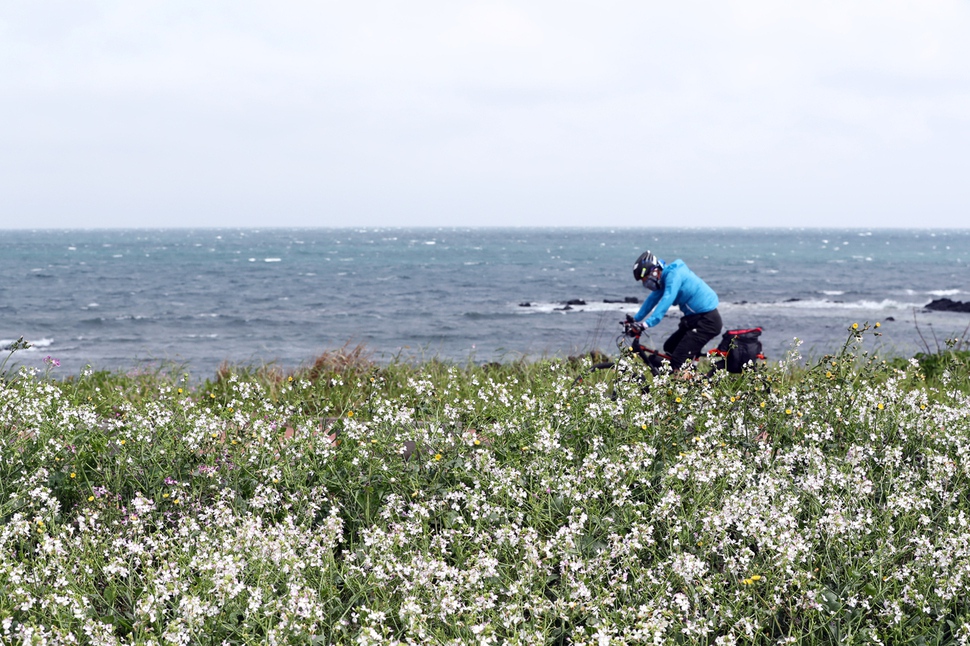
<point x="681" y="287"/>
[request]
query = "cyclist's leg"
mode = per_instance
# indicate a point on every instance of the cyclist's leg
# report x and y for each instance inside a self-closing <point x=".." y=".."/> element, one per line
<point x="674" y="339"/>
<point x="653" y="362"/>
<point x="699" y="329"/>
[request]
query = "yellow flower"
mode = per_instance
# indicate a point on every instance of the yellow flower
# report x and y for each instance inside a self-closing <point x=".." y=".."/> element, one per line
<point x="828" y="374"/>
<point x="880" y="406"/>
<point x="855" y="326"/>
<point x="164" y="495"/>
<point x="787" y="411"/>
<point x="477" y="442"/>
<point x="732" y="399"/>
<point x="755" y="577"/>
<point x="878" y="324"/>
<point x="437" y="457"/>
<point x="180" y="391"/>
<point x="212" y="395"/>
<point x="762" y="404"/>
<point x="677" y="400"/>
<point x="643" y="426"/>
<point x="73" y="475"/>
<point x="122" y="441"/>
<point x="90" y="498"/>
<point x="350" y="413"/>
<point x="290" y="378"/>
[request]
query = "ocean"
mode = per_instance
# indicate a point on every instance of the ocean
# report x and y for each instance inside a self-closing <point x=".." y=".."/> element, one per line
<point x="137" y="299"/>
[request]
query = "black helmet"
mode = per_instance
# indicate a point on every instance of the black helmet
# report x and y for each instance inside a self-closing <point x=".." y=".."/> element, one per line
<point x="643" y="265"/>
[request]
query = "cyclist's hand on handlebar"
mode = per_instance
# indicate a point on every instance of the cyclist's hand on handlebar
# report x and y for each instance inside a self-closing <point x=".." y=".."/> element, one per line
<point x="631" y="327"/>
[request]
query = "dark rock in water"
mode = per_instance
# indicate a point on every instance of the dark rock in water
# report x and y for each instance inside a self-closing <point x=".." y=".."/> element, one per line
<point x="628" y="299"/>
<point x="741" y="303"/>
<point x="793" y="300"/>
<point x="525" y="304"/>
<point x="948" y="305"/>
<point x="890" y="318"/>
<point x="574" y="301"/>
<point x="564" y="309"/>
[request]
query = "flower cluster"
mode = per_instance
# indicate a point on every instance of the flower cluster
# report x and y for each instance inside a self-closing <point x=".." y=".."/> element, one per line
<point x="503" y="505"/>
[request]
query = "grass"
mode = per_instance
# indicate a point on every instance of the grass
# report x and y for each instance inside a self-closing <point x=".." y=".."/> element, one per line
<point x="350" y="502"/>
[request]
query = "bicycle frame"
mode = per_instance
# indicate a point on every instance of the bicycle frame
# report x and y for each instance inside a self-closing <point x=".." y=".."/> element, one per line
<point x="634" y="331"/>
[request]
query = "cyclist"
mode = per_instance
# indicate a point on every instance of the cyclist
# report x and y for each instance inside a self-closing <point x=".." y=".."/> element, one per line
<point x="675" y="284"/>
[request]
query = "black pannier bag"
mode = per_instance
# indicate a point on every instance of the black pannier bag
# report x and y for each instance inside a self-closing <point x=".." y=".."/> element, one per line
<point x="736" y="349"/>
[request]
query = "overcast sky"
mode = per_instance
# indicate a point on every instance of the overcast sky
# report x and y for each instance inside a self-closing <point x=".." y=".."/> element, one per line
<point x="638" y="113"/>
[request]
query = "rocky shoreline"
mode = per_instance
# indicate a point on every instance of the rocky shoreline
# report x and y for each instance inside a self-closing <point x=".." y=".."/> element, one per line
<point x="948" y="305"/>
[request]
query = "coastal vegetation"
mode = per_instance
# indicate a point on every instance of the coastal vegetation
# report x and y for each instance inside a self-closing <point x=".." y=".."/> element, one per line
<point x="351" y="502"/>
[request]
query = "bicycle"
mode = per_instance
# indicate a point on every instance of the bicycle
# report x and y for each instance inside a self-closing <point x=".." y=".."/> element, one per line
<point x="739" y="350"/>
<point x="652" y="358"/>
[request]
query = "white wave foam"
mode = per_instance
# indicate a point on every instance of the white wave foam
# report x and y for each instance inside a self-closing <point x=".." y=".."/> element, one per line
<point x="812" y="303"/>
<point x="832" y="292"/>
<point x="272" y="259"/>
<point x="546" y="308"/>
<point x="943" y="292"/>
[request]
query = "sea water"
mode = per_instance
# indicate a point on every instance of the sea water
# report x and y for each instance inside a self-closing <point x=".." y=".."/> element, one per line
<point x="127" y="299"/>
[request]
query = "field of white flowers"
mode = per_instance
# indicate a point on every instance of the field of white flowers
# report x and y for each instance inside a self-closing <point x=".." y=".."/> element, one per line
<point x="353" y="503"/>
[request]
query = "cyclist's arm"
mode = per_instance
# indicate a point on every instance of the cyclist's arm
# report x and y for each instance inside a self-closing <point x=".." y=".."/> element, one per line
<point x="648" y="304"/>
<point x="672" y="283"/>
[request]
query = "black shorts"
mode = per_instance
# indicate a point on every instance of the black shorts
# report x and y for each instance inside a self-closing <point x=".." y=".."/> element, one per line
<point x="693" y="333"/>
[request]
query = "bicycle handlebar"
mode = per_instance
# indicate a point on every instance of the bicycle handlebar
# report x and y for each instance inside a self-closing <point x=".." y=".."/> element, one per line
<point x="632" y="329"/>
